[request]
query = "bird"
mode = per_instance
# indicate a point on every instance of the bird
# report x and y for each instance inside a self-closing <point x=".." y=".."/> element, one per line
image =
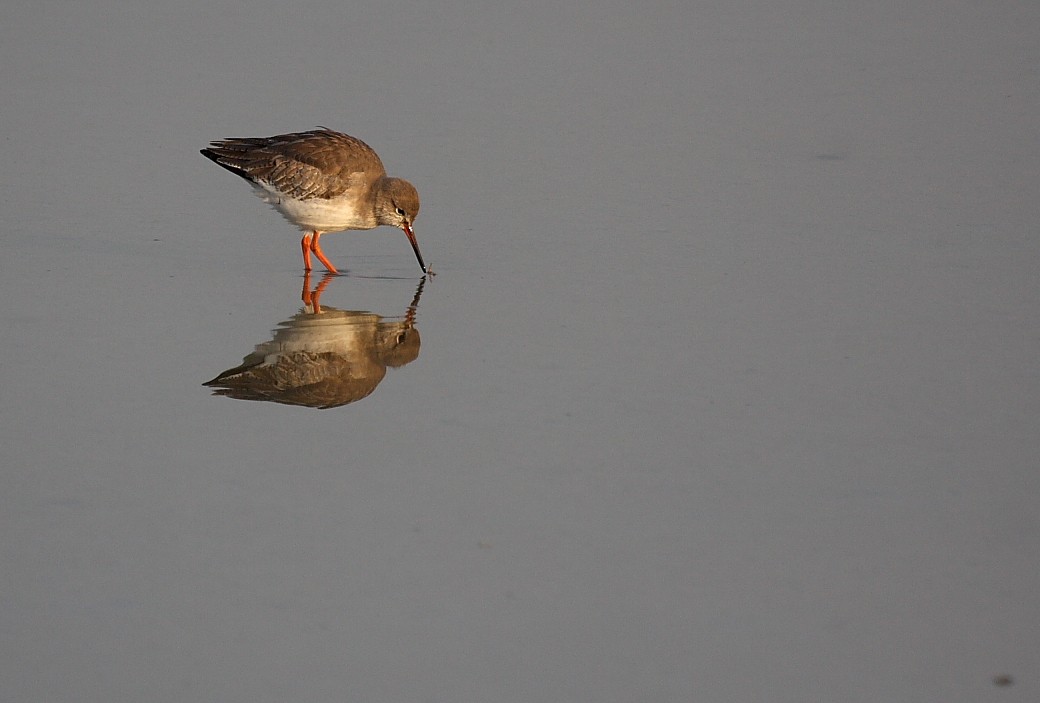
<point x="321" y="181"/>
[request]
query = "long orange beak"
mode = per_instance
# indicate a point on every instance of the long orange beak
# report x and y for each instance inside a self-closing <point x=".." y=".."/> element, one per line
<point x="407" y="227"/>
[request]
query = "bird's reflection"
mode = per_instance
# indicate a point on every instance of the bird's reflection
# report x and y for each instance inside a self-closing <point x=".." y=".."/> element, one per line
<point x="323" y="357"/>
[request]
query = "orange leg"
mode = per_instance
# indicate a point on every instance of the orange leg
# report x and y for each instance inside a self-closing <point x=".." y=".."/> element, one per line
<point x="316" y="248"/>
<point x="305" y="244"/>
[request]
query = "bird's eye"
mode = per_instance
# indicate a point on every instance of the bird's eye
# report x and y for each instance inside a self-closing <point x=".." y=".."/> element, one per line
<point x="400" y="212"/>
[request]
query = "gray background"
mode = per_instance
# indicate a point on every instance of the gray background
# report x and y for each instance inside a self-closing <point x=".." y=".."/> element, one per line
<point x="728" y="388"/>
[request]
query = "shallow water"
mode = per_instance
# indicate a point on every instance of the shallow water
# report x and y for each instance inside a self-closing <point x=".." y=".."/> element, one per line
<point x="726" y="387"/>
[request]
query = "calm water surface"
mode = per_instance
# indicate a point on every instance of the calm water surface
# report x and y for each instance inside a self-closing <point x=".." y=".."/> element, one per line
<point x="725" y="388"/>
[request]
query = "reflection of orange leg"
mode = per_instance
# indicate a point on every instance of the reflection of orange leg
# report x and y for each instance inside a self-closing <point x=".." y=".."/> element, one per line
<point x="312" y="299"/>
<point x="316" y="248"/>
<point x="316" y="297"/>
<point x="305" y="244"/>
<point x="306" y="295"/>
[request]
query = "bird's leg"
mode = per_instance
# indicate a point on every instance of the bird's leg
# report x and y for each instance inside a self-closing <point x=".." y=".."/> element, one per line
<point x="316" y="248"/>
<point x="305" y="244"/>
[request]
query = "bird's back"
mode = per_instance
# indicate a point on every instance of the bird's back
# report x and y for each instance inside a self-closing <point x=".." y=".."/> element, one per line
<point x="320" y="163"/>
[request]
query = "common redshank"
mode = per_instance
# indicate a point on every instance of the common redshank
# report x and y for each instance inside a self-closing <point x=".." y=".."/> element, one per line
<point x="321" y="181"/>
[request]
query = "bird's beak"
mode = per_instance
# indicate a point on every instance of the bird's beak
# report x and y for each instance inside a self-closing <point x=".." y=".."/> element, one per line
<point x="407" y="227"/>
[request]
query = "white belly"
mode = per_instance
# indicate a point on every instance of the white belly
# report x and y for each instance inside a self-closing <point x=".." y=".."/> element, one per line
<point x="321" y="214"/>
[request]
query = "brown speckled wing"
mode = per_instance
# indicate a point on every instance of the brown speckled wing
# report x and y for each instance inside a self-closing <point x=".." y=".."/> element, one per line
<point x="316" y="164"/>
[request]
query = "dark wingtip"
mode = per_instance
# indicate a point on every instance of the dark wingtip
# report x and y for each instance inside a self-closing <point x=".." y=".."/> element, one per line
<point x="217" y="159"/>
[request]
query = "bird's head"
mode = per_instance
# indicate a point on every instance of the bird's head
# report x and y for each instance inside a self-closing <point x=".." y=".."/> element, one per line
<point x="397" y="205"/>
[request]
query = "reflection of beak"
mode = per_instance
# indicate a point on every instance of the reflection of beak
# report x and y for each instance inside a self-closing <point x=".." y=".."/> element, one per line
<point x="407" y="227"/>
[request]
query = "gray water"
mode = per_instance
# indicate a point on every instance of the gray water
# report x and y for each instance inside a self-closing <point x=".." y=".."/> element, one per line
<point x="726" y="388"/>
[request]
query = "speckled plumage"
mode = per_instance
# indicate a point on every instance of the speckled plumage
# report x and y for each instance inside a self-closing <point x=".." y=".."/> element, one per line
<point x="321" y="181"/>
